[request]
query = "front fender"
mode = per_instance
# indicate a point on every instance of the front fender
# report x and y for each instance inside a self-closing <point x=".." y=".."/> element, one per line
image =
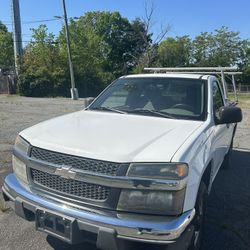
<point x="198" y="153"/>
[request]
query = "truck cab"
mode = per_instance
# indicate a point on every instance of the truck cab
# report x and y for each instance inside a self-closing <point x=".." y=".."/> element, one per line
<point x="136" y="165"/>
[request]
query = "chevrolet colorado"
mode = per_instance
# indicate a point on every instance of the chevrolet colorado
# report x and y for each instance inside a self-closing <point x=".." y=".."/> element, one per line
<point x="136" y="165"/>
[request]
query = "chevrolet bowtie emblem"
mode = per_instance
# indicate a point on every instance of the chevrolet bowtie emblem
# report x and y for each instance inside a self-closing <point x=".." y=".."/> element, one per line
<point x="65" y="172"/>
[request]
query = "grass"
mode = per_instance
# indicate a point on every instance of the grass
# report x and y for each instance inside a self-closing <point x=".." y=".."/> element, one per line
<point x="244" y="100"/>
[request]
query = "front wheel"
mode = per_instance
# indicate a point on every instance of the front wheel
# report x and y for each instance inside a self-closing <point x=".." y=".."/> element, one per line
<point x="198" y="222"/>
<point x="226" y="164"/>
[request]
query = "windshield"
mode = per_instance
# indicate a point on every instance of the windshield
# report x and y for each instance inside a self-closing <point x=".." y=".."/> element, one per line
<point x="174" y="98"/>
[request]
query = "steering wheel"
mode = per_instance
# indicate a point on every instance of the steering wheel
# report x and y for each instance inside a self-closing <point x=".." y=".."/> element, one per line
<point x="183" y="106"/>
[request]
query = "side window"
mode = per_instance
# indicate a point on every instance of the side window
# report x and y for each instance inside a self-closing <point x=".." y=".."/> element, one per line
<point x="217" y="99"/>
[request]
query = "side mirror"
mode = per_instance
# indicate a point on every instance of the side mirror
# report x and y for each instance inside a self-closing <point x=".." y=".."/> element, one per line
<point x="229" y="114"/>
<point x="88" y="101"/>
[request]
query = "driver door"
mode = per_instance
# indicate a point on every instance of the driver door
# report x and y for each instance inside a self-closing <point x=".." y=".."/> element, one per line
<point x="222" y="132"/>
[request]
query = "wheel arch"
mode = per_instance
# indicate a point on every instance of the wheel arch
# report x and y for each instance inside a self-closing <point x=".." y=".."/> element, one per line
<point x="193" y="189"/>
<point x="206" y="176"/>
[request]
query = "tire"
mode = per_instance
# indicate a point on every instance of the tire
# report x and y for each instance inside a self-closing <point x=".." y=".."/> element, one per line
<point x="226" y="164"/>
<point x="199" y="219"/>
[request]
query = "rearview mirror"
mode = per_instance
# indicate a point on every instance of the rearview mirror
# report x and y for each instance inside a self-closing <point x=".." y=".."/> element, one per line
<point x="229" y="114"/>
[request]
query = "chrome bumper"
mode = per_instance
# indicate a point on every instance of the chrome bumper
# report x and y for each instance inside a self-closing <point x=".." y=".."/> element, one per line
<point x="143" y="228"/>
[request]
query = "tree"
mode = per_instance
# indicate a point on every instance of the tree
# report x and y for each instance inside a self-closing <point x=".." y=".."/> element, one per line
<point x="3" y="27"/>
<point x="222" y="48"/>
<point x="88" y="57"/>
<point x="41" y="72"/>
<point x="140" y="42"/>
<point x="201" y="49"/>
<point x="104" y="46"/>
<point x="219" y="48"/>
<point x="120" y="40"/>
<point x="6" y="47"/>
<point x="150" y="55"/>
<point x="175" y="52"/>
<point x="244" y="63"/>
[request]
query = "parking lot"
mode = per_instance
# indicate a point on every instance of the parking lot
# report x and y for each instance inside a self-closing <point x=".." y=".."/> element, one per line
<point x="228" y="220"/>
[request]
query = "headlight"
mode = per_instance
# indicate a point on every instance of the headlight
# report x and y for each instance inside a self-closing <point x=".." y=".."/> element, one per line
<point x="169" y="202"/>
<point x="152" y="202"/>
<point x="19" y="169"/>
<point x="22" y="145"/>
<point x="164" y="171"/>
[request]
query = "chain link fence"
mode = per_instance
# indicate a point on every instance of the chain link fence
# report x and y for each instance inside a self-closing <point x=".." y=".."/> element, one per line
<point x="240" y="88"/>
<point x="243" y="88"/>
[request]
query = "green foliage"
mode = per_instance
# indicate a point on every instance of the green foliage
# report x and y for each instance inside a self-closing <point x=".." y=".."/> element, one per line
<point x="104" y="46"/>
<point x="244" y="64"/>
<point x="221" y="48"/>
<point x="41" y="72"/>
<point x="38" y="84"/>
<point x="6" y="47"/>
<point x="141" y="40"/>
<point x="118" y="39"/>
<point x="175" y="52"/>
<point x="3" y="27"/>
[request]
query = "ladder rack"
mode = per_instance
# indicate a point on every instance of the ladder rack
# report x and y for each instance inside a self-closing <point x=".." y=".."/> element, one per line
<point x="201" y="72"/>
<point x="222" y="71"/>
<point x="196" y="69"/>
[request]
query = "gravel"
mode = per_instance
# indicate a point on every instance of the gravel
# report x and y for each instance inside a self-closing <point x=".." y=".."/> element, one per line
<point x="242" y="138"/>
<point x="228" y="220"/>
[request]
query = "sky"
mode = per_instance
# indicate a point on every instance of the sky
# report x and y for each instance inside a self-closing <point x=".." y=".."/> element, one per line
<point x="185" y="17"/>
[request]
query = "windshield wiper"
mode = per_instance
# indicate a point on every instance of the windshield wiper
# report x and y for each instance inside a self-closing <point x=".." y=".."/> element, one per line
<point x="152" y="112"/>
<point x="109" y="109"/>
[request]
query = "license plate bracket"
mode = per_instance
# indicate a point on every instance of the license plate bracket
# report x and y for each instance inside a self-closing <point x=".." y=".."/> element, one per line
<point x="55" y="225"/>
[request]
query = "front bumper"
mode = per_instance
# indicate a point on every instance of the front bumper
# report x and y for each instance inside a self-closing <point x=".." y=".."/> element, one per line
<point x="107" y="226"/>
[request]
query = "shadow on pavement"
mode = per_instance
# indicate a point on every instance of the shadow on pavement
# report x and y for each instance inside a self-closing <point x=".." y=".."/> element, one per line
<point x="228" y="214"/>
<point x="60" y="245"/>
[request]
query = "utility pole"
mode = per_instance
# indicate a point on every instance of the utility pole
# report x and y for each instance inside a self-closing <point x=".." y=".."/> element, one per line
<point x="17" y="33"/>
<point x="73" y="90"/>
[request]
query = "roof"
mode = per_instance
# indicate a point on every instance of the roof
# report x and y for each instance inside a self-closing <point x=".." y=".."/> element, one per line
<point x="169" y="75"/>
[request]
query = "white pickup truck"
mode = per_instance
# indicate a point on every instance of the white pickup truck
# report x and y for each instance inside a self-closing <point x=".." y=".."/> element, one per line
<point x="135" y="167"/>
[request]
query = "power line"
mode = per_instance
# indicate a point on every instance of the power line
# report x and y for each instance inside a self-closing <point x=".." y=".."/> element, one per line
<point x="37" y="21"/>
<point x="34" y="21"/>
<point x="30" y="41"/>
<point x="41" y="21"/>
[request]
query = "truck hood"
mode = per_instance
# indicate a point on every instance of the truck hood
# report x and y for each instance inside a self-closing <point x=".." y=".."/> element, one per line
<point x="112" y="136"/>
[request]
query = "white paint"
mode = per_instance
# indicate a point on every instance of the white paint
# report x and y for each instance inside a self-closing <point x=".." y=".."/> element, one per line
<point x="112" y="136"/>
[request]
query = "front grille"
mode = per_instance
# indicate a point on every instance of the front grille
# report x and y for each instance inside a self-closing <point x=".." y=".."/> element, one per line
<point x="68" y="186"/>
<point x="91" y="165"/>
